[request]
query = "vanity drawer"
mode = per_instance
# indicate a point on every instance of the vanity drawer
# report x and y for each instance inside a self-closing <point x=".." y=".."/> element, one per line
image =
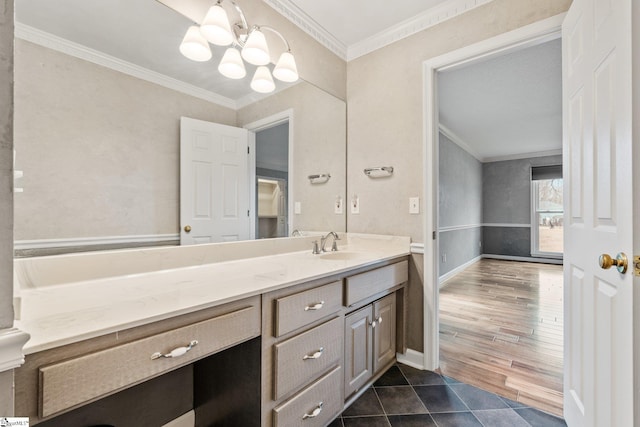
<point x="322" y="399"/>
<point x="295" y="311"/>
<point x="300" y="359"/>
<point x="75" y="381"/>
<point x="367" y="284"/>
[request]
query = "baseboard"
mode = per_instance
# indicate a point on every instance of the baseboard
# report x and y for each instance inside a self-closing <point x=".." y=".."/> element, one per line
<point x="524" y="259"/>
<point x="442" y="279"/>
<point x="412" y="358"/>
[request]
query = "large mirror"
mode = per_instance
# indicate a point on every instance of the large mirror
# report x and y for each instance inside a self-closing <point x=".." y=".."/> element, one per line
<point x="99" y="94"/>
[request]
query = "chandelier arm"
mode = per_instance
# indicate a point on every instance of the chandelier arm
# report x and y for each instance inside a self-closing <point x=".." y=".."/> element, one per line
<point x="273" y="30"/>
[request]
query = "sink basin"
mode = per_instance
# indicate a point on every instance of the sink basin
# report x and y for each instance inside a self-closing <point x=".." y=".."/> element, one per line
<point x="342" y="255"/>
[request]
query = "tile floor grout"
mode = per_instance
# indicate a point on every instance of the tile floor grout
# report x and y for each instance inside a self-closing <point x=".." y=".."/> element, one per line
<point x="447" y="414"/>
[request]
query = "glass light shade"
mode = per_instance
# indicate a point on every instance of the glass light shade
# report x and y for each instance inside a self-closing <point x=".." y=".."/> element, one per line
<point x="215" y="27"/>
<point x="262" y="81"/>
<point x="231" y="65"/>
<point x="194" y="46"/>
<point x="255" y="50"/>
<point x="286" y="70"/>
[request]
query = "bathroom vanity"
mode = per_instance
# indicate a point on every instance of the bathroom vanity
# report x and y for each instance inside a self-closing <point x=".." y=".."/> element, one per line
<point x="280" y="339"/>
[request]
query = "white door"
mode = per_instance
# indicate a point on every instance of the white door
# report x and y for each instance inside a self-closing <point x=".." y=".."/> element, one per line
<point x="597" y="97"/>
<point x="214" y="182"/>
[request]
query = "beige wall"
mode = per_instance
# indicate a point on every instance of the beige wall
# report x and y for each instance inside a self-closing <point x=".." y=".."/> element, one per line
<point x="385" y="124"/>
<point x="385" y="110"/>
<point x="319" y="137"/>
<point x="99" y="149"/>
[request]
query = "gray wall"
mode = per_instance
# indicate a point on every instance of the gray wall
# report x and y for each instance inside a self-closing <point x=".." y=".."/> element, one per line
<point x="506" y="193"/>
<point x="6" y="191"/>
<point x="460" y="206"/>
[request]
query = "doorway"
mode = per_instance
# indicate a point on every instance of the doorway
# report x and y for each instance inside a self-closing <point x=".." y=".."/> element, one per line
<point x="479" y="228"/>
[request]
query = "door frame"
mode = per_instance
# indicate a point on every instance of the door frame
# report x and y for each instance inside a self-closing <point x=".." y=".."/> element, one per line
<point x="256" y="126"/>
<point x="530" y="35"/>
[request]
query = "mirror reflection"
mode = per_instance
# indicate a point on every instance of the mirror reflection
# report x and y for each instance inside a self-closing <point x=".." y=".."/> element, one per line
<point x="97" y="135"/>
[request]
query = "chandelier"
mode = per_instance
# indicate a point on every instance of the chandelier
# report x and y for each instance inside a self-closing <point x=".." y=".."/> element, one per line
<point x="246" y="42"/>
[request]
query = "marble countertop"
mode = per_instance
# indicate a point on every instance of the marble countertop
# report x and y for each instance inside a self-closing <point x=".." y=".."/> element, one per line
<point x="60" y="314"/>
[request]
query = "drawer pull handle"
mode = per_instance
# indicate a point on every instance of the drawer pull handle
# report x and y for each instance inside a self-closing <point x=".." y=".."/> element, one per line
<point x="316" y="306"/>
<point x="315" y="412"/>
<point x="315" y="355"/>
<point x="376" y="322"/>
<point x="176" y="352"/>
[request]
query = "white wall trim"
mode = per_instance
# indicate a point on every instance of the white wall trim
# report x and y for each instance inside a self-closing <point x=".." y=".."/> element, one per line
<point x="523" y="258"/>
<point x="442" y="279"/>
<point x="459" y="142"/>
<point x="505" y="224"/>
<point x="412" y="358"/>
<point x="76" y="50"/>
<point x="417" y="248"/>
<point x="428" y="18"/>
<point x="458" y="227"/>
<point x="294" y="14"/>
<point x="11" y="343"/>
<point x="557" y="152"/>
<point x="93" y="241"/>
<point x="420" y="22"/>
<point x="529" y="35"/>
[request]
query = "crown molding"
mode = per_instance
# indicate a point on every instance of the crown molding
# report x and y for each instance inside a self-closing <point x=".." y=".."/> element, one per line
<point x="294" y="14"/>
<point x="422" y="21"/>
<point x="557" y="152"/>
<point x="76" y="50"/>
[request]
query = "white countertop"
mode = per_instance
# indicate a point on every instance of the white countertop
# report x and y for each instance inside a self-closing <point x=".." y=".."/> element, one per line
<point x="55" y="315"/>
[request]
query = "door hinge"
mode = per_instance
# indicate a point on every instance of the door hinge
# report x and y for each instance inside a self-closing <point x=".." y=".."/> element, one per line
<point x="248" y="150"/>
<point x="636" y="265"/>
<point x="433" y="236"/>
<point x="248" y="213"/>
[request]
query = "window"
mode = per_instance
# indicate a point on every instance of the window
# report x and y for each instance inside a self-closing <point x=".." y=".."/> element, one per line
<point x="547" y="215"/>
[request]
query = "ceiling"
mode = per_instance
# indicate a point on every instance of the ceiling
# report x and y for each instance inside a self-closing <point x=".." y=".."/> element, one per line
<point x="505" y="106"/>
<point x="488" y="106"/>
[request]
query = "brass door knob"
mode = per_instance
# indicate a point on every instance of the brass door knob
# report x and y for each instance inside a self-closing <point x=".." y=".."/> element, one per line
<point x="187" y="228"/>
<point x="621" y="262"/>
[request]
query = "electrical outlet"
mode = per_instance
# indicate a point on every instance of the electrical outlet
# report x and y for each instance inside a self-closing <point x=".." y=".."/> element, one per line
<point x="414" y="205"/>
<point x="297" y="208"/>
<point x="355" y="204"/>
<point x="444" y="257"/>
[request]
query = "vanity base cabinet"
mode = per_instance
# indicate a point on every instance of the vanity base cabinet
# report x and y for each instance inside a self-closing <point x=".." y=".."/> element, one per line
<point x="358" y="341"/>
<point x="370" y="342"/>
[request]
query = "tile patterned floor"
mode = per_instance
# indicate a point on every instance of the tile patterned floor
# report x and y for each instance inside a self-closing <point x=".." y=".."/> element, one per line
<point x="408" y="397"/>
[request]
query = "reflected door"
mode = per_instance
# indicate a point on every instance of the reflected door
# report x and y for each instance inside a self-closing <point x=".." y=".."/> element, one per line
<point x="599" y="191"/>
<point x="214" y="182"/>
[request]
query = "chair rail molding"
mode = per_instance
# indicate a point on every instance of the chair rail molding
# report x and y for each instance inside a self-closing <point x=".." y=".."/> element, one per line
<point x="11" y="343"/>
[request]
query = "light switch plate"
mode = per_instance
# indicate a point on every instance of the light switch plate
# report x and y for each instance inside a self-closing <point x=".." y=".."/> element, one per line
<point x="355" y="205"/>
<point x="338" y="206"/>
<point x="297" y="208"/>
<point x="414" y="205"/>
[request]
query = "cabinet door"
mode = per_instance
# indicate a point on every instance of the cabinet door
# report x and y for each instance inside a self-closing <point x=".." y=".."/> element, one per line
<point x="384" y="332"/>
<point x="358" y="346"/>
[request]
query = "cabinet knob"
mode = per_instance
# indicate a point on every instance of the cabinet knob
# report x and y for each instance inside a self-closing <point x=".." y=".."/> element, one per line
<point x="187" y="228"/>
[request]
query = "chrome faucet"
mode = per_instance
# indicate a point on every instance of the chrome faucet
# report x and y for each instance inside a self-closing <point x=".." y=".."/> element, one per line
<point x="323" y="241"/>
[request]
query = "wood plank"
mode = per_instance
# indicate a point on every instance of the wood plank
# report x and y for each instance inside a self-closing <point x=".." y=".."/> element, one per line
<point x="501" y="329"/>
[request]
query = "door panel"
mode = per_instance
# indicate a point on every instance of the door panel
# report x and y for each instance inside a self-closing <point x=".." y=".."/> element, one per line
<point x="214" y="182"/>
<point x="358" y="345"/>
<point x="598" y="155"/>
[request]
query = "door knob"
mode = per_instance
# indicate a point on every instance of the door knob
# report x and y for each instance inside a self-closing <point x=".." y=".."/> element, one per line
<point x="621" y="262"/>
<point x="187" y="228"/>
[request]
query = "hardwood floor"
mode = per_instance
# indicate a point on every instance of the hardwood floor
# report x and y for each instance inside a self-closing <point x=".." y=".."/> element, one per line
<point x="501" y="330"/>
